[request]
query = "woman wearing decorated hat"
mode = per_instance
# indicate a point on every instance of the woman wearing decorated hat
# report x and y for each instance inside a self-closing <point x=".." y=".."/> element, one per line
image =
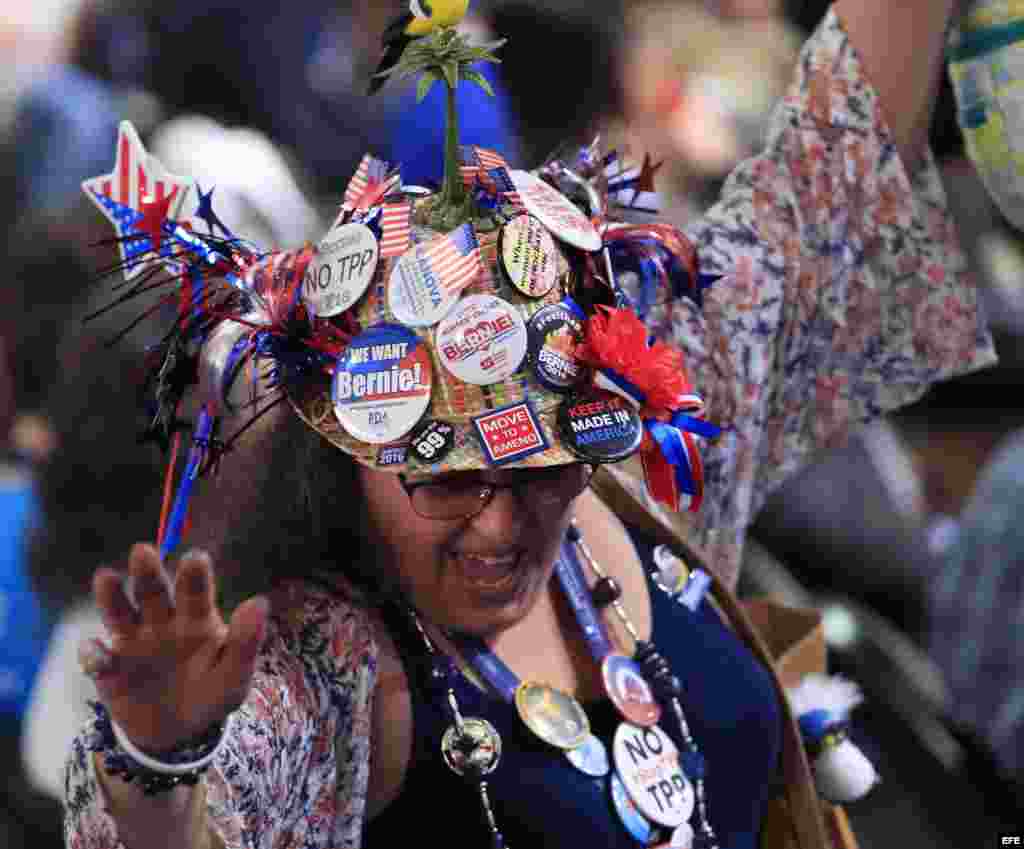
<point x="464" y="638"/>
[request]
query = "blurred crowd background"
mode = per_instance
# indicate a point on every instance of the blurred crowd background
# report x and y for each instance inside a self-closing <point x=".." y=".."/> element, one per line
<point x="905" y="537"/>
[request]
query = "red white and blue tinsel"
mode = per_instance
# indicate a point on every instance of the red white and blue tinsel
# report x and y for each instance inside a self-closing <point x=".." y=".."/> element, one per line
<point x="652" y="377"/>
<point x="241" y="331"/>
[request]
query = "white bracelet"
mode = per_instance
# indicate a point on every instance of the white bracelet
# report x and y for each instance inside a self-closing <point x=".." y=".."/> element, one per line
<point x="152" y="764"/>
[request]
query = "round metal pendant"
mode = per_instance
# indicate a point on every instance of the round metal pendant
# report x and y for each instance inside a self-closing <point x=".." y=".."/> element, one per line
<point x="648" y="762"/>
<point x="590" y="757"/>
<point x="556" y="717"/>
<point x="628" y="691"/>
<point x="475" y="751"/>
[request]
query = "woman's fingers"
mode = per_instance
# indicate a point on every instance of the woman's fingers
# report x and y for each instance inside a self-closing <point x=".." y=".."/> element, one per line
<point x="115" y="608"/>
<point x="152" y="587"/>
<point x="245" y="638"/>
<point x="194" y="588"/>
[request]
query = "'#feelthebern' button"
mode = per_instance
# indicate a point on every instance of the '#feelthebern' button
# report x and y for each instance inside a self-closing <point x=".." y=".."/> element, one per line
<point x="482" y="341"/>
<point x="382" y="384"/>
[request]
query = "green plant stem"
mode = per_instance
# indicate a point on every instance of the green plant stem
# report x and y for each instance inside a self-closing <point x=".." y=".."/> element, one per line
<point x="453" y="193"/>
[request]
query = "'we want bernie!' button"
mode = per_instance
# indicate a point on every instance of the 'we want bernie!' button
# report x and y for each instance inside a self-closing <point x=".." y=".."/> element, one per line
<point x="382" y="384"/>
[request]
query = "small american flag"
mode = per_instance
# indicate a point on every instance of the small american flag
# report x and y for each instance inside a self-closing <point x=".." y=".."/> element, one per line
<point x="505" y="188"/>
<point x="475" y="162"/>
<point x="372" y="181"/>
<point x="455" y="258"/>
<point x="396" y="228"/>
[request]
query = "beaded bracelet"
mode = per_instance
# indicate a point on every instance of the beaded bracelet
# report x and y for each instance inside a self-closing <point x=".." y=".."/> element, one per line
<point x="183" y="764"/>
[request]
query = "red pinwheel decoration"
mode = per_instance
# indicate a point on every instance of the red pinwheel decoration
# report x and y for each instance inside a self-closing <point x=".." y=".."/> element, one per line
<point x="652" y="376"/>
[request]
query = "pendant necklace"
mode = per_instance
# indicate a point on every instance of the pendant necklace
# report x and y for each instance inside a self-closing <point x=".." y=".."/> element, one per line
<point x="654" y="787"/>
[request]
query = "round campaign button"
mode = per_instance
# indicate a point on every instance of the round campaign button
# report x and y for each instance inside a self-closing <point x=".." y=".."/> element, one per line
<point x="554" y="333"/>
<point x="417" y="294"/>
<point x="648" y="762"/>
<point x="600" y="426"/>
<point x="556" y="717"/>
<point x="590" y="757"/>
<point x="628" y="691"/>
<point x="382" y="384"/>
<point x="528" y="256"/>
<point x="473" y="750"/>
<point x="341" y="270"/>
<point x="431" y="440"/>
<point x="482" y="341"/>
<point x="634" y="821"/>
<point x="556" y="212"/>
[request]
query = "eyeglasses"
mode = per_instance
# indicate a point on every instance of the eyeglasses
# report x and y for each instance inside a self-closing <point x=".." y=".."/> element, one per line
<point x="464" y="495"/>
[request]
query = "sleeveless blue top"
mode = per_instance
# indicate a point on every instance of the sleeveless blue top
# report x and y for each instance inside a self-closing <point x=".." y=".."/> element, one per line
<point x="542" y="800"/>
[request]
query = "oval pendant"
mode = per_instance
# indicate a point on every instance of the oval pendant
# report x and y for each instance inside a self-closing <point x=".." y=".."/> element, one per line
<point x="556" y="717"/>
<point x="648" y="762"/>
<point x="474" y="750"/>
<point x="590" y="757"/>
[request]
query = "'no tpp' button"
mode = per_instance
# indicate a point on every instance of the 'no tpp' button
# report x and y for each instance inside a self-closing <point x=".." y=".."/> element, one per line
<point x="647" y="761"/>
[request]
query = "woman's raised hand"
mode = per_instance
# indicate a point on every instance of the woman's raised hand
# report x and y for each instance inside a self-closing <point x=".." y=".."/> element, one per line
<point x="174" y="667"/>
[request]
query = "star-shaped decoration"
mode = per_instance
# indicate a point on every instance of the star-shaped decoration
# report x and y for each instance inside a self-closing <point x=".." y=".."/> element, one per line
<point x="154" y="213"/>
<point x="645" y="196"/>
<point x="137" y="178"/>
<point x="645" y="180"/>
<point x="204" y="212"/>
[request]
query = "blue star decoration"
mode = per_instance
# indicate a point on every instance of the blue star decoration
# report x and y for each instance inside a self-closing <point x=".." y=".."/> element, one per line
<point x="205" y="213"/>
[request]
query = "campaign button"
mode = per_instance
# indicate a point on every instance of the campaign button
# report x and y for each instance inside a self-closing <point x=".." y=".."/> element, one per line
<point x="628" y="691"/>
<point x="528" y="256"/>
<point x="554" y="716"/>
<point x="417" y="294"/>
<point x="629" y="814"/>
<point x="482" y="341"/>
<point x="599" y="426"/>
<point x="382" y="384"/>
<point x="392" y="455"/>
<point x="648" y="762"/>
<point x="341" y="270"/>
<point x="553" y="335"/>
<point x="431" y="440"/>
<point x="590" y="757"/>
<point x="556" y="212"/>
<point x="510" y="433"/>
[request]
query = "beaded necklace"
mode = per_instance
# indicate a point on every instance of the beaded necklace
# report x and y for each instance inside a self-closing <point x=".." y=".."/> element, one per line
<point x="471" y="746"/>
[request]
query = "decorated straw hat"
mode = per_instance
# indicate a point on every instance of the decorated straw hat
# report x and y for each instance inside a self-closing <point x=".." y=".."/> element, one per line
<point x="428" y="332"/>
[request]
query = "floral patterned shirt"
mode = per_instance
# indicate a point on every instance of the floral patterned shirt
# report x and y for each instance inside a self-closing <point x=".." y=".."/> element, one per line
<point x="843" y="293"/>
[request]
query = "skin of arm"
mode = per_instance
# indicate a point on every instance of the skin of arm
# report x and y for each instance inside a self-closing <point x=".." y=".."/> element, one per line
<point x="173" y="820"/>
<point x="901" y="46"/>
